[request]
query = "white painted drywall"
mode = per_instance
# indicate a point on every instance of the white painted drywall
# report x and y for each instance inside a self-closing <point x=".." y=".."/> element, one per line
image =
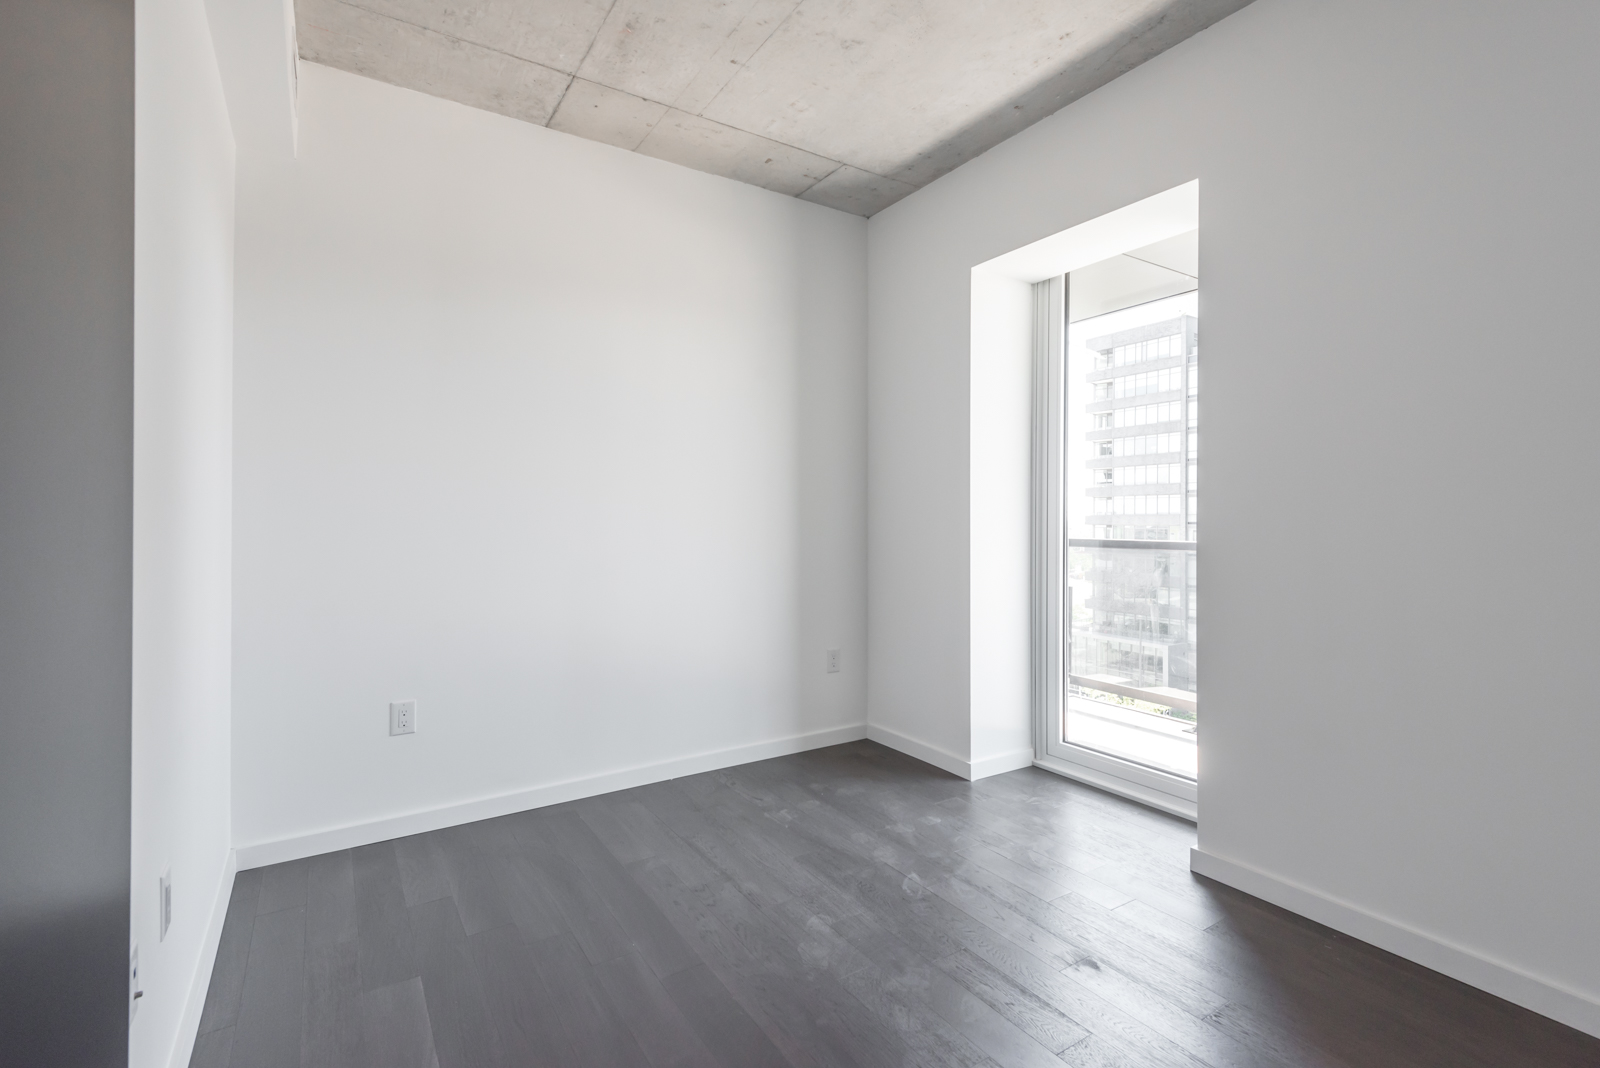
<point x="563" y="442"/>
<point x="1000" y="439"/>
<point x="182" y="514"/>
<point x="1398" y="227"/>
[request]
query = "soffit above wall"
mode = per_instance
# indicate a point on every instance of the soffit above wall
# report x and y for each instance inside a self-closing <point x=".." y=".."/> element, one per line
<point x="848" y="103"/>
<point x="1164" y="269"/>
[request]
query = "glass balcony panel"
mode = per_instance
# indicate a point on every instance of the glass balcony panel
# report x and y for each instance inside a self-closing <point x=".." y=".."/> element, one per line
<point x="1132" y="684"/>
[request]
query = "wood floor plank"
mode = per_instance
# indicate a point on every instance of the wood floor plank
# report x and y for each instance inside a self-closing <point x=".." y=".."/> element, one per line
<point x="843" y="908"/>
<point x="809" y="1017"/>
<point x="744" y="840"/>
<point x="892" y="996"/>
<point x="915" y="979"/>
<point x="396" y="1028"/>
<point x="332" y="1035"/>
<point x="270" y="1013"/>
<point x="424" y="873"/>
<point x="524" y="887"/>
<point x="723" y="1026"/>
<point x="383" y="926"/>
<point x="330" y="899"/>
<point x="221" y="1007"/>
<point x="692" y="895"/>
<point x="1091" y="935"/>
<point x="464" y="1031"/>
<point x="477" y="876"/>
<point x="525" y="1014"/>
<point x="1106" y="1021"/>
<point x="1046" y="1023"/>
<point x="333" y="1026"/>
<point x="657" y="1024"/>
<point x="647" y="930"/>
<point x="283" y="886"/>
<point x="581" y="913"/>
<point x="212" y="1049"/>
<point x="599" y="814"/>
<point x="597" y="1033"/>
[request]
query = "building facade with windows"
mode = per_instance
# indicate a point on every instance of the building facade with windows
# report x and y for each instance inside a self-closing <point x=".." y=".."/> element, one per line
<point x="1142" y="403"/>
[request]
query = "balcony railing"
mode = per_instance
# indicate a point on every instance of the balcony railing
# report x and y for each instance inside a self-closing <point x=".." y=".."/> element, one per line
<point x="1166" y="696"/>
<point x="1133" y="695"/>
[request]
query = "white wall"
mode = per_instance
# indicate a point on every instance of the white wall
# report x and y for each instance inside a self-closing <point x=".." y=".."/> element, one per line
<point x="563" y="442"/>
<point x="1398" y="229"/>
<point x="1000" y="444"/>
<point x="182" y="478"/>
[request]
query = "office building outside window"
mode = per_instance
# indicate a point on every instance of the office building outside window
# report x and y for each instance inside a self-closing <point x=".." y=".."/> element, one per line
<point x="1132" y="428"/>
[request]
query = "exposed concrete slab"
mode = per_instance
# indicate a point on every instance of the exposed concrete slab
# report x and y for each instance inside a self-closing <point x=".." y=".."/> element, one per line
<point x="857" y="191"/>
<point x="555" y="33"/>
<point x="603" y="114"/>
<point x="655" y="48"/>
<point x="773" y="92"/>
<point x="913" y="91"/>
<point x="710" y="146"/>
<point x="758" y="24"/>
<point x="377" y="46"/>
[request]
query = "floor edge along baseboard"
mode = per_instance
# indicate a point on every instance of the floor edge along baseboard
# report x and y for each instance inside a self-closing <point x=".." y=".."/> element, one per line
<point x="917" y="749"/>
<point x="1503" y="980"/>
<point x="295" y="847"/>
<point x="200" y="982"/>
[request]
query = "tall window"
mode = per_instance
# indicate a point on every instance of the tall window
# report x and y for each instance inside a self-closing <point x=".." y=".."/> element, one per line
<point x="1130" y="457"/>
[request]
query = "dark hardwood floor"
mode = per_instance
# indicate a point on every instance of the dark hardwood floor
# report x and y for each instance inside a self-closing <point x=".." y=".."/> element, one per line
<point x="848" y="906"/>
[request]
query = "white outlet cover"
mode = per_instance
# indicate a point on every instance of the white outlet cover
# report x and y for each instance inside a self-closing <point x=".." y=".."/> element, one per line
<point x="165" y="902"/>
<point x="403" y="717"/>
<point x="134" y="993"/>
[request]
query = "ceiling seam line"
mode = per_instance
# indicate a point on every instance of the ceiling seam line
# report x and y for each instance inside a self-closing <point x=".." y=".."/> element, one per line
<point x="574" y="79"/>
<point x="592" y="40"/>
<point x="751" y="133"/>
<point x="453" y="37"/>
<point x="819" y="181"/>
<point x="719" y="48"/>
<point x="753" y="54"/>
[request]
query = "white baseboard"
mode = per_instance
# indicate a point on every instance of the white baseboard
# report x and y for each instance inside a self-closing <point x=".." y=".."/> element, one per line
<point x="946" y="760"/>
<point x="999" y="765"/>
<point x="928" y="754"/>
<point x="1544" y="996"/>
<point x="1115" y="784"/>
<point x="259" y="854"/>
<point x="200" y="983"/>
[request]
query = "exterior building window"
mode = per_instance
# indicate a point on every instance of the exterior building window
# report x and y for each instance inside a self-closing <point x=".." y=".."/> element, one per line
<point x="1133" y="477"/>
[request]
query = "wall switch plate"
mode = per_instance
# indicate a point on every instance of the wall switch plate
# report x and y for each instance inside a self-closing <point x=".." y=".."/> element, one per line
<point x="166" y="902"/>
<point x="403" y="717"/>
<point x="833" y="661"/>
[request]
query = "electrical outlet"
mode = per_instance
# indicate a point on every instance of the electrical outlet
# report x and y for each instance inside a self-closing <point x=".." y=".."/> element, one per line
<point x="403" y="717"/>
<point x="134" y="993"/>
<point x="833" y="661"/>
<point x="166" y="902"/>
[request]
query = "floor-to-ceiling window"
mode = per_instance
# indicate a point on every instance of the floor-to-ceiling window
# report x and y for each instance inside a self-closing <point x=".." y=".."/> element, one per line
<point x="1131" y="504"/>
<point x="1128" y="507"/>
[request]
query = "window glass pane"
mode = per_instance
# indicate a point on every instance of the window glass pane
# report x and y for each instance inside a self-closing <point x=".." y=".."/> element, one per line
<point x="1132" y="656"/>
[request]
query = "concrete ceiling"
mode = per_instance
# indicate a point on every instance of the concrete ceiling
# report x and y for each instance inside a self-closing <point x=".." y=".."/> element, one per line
<point x="848" y="103"/>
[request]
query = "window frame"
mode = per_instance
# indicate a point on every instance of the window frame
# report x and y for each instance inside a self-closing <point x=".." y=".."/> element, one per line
<point x="1051" y="596"/>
